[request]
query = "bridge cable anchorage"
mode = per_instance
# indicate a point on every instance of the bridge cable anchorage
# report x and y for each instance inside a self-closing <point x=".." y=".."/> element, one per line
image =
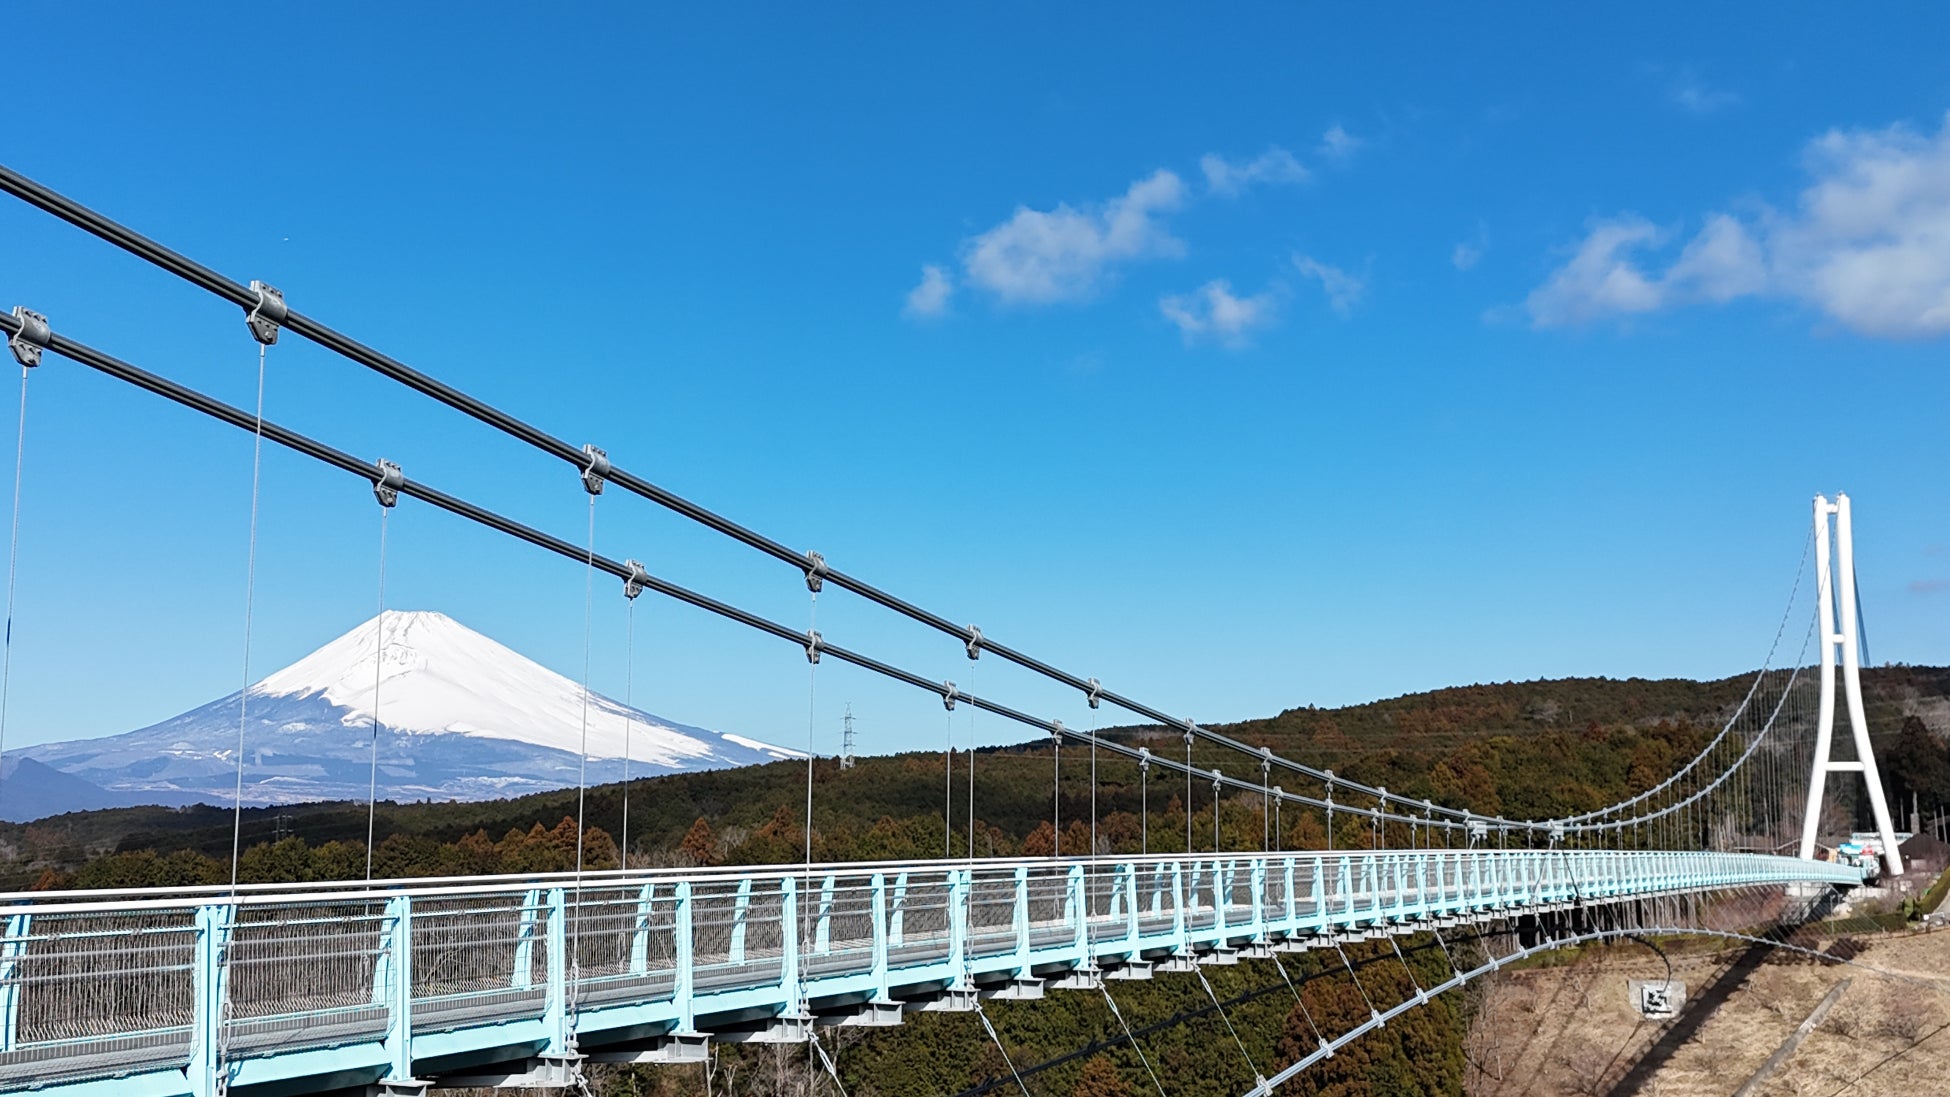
<point x="1135" y="1046"/>
<point x="266" y="307"/>
<point x="28" y="339"/>
<point x="386" y="491"/>
<point x="997" y="1040"/>
<point x="204" y="404"/>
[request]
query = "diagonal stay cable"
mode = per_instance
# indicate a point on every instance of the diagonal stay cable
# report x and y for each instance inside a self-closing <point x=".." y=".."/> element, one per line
<point x="997" y="1040"/>
<point x="176" y="263"/>
<point x="1135" y="1046"/>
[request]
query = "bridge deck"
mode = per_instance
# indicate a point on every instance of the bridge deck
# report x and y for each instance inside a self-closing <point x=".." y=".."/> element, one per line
<point x="275" y="989"/>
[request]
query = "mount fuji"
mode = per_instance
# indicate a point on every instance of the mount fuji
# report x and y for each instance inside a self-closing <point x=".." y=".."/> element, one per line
<point x="460" y="717"/>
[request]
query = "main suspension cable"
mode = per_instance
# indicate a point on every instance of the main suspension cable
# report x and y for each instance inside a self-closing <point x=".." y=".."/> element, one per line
<point x="263" y="430"/>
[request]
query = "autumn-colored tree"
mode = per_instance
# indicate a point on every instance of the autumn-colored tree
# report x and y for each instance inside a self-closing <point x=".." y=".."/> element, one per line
<point x="1100" y="1079"/>
<point x="700" y="846"/>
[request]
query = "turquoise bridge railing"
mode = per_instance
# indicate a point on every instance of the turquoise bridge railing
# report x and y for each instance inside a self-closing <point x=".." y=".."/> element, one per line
<point x="511" y="981"/>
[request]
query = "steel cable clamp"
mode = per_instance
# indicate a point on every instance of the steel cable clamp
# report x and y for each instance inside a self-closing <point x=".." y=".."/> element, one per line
<point x="636" y="580"/>
<point x="974" y="642"/>
<point x="813" y="645"/>
<point x="948" y="695"/>
<point x="30" y="338"/>
<point x="386" y="488"/>
<point x="596" y="471"/>
<point x="267" y="314"/>
<point x="815" y="571"/>
<point x="1095" y="692"/>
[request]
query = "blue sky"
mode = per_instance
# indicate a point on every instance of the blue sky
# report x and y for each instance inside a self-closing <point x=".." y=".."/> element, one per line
<point x="1243" y="362"/>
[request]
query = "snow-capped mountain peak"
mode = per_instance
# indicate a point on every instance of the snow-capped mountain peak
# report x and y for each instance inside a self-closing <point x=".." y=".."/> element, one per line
<point x="460" y="716"/>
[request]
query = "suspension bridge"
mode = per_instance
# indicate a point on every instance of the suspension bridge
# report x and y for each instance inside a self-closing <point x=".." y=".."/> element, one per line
<point x="396" y="986"/>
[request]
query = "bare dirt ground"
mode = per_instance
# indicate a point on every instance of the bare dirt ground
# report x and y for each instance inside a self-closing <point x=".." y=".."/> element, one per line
<point x="1571" y="1030"/>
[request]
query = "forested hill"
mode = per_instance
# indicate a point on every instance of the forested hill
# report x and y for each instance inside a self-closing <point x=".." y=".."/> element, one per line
<point x="1440" y="720"/>
<point x="1529" y="749"/>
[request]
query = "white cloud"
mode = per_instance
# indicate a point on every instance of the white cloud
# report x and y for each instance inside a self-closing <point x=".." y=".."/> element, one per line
<point x="1275" y="165"/>
<point x="1064" y="254"/>
<point x="1465" y="255"/>
<point x="1867" y="244"/>
<point x="1721" y="263"/>
<point x="1338" y="144"/>
<point x="1212" y="310"/>
<point x="1690" y="94"/>
<point x="930" y="297"/>
<point x="1343" y="290"/>
<point x="1601" y="278"/>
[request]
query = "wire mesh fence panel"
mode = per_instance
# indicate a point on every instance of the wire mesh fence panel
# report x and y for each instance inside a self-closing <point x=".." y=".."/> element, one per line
<point x="1275" y="888"/>
<point x="842" y="939"/>
<point x="95" y="990"/>
<point x="992" y="912"/>
<point x="479" y="957"/>
<point x="624" y="944"/>
<point x="304" y="975"/>
<point x="1104" y="892"/>
<point x="1049" y="902"/>
<point x="920" y="923"/>
<point x="1200" y="910"/>
<point x="1157" y="899"/>
<point x="738" y="936"/>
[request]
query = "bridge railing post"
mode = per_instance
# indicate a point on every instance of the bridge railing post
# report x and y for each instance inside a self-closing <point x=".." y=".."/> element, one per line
<point x="1077" y="908"/>
<point x="683" y="986"/>
<point x="880" y="933"/>
<point x="210" y="988"/>
<point x="556" y="1016"/>
<point x="1021" y="923"/>
<point x="11" y="949"/>
<point x="789" y="938"/>
<point x="960" y="887"/>
<point x="1179" y="928"/>
<point x="1259" y="899"/>
<point x="394" y="985"/>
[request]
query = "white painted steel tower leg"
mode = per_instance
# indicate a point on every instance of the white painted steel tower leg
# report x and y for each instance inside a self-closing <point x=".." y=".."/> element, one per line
<point x="1837" y="625"/>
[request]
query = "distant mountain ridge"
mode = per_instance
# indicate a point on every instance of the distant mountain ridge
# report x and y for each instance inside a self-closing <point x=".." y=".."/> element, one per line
<point x="461" y="717"/>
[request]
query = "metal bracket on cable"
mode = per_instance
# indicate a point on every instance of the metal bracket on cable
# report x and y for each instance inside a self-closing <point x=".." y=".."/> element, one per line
<point x="813" y="645"/>
<point x="1095" y="693"/>
<point x="386" y="488"/>
<point x="1056" y="729"/>
<point x="265" y="317"/>
<point x="30" y="338"/>
<point x="1266" y="760"/>
<point x="815" y="571"/>
<point x="1217" y="780"/>
<point x="1144" y="759"/>
<point x="948" y="695"/>
<point x="638" y="579"/>
<point x="597" y="470"/>
<point x="974" y="642"/>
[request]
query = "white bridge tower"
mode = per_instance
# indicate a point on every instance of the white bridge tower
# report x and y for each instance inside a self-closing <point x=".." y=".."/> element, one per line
<point x="1836" y="625"/>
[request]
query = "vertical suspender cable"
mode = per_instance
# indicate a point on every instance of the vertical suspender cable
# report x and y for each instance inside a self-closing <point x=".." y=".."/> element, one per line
<point x="812" y="711"/>
<point x="250" y="595"/>
<point x="378" y="675"/>
<point x="629" y="729"/>
<point x="582" y="765"/>
<point x="948" y="788"/>
<point x="13" y="564"/>
<point x="971" y="760"/>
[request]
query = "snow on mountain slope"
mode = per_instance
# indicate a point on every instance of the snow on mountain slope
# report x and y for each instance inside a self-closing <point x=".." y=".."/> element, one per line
<point x="461" y="717"/>
<point x="438" y="675"/>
